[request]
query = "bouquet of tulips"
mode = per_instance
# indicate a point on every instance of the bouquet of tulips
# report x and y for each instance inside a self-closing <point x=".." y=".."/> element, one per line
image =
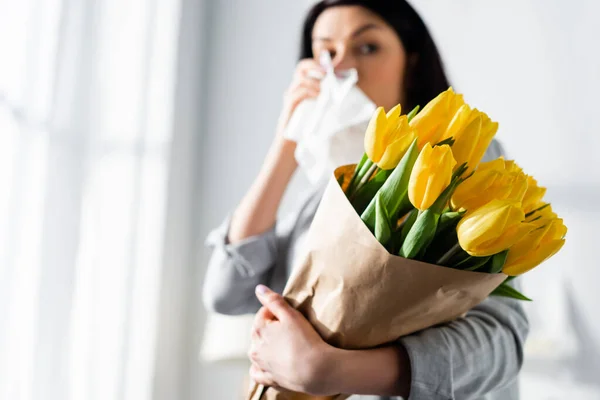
<point x="419" y="231"/>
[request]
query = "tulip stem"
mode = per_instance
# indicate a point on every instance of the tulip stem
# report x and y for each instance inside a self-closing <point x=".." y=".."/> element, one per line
<point x="365" y="178"/>
<point x="446" y="257"/>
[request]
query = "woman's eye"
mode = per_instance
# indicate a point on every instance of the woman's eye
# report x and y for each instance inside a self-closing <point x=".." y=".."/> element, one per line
<point x="331" y="53"/>
<point x="368" y="48"/>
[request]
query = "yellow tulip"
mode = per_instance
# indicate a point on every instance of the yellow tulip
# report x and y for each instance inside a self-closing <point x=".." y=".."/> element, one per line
<point x="485" y="186"/>
<point x="471" y="142"/>
<point x="387" y="138"/>
<point x="490" y="181"/>
<point x="533" y="196"/>
<point x="516" y="178"/>
<point x="431" y="174"/>
<point x="431" y="122"/>
<point x="492" y="228"/>
<point x="536" y="247"/>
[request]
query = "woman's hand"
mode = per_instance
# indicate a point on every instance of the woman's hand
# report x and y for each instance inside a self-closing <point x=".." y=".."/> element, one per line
<point x="305" y="85"/>
<point x="287" y="352"/>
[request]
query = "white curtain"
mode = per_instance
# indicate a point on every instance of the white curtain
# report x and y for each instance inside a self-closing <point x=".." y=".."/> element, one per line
<point x="86" y="114"/>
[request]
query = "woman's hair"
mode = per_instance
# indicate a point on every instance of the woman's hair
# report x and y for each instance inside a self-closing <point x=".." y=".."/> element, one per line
<point x="424" y="77"/>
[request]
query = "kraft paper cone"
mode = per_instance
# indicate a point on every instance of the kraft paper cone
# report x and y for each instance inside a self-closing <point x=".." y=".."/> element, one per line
<point x="357" y="295"/>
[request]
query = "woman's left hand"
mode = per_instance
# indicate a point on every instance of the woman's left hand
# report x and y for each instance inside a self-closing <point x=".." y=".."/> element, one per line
<point x="286" y="350"/>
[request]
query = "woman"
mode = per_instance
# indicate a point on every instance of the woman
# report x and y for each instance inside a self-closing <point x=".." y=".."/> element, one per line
<point x="477" y="357"/>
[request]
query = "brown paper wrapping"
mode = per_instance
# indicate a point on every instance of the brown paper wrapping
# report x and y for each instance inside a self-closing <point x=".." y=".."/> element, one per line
<point x="357" y="295"/>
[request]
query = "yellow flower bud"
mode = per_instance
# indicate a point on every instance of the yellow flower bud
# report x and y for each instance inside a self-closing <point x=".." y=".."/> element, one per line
<point x="492" y="228"/>
<point x="535" y="247"/>
<point x="490" y="181"/>
<point x="433" y="120"/>
<point x="471" y="142"/>
<point x="431" y="174"/>
<point x="388" y="137"/>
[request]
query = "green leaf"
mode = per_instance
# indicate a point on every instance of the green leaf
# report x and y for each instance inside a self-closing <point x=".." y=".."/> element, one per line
<point x="362" y="161"/>
<point x="365" y="194"/>
<point x="356" y="171"/>
<point x="471" y="263"/>
<point x="413" y="112"/>
<point x="449" y="220"/>
<point x="498" y="261"/>
<point x="401" y="231"/>
<point x="383" y="231"/>
<point x="445" y="236"/>
<point x="365" y="165"/>
<point x="420" y="235"/>
<point x="395" y="188"/>
<point x="505" y="290"/>
<point x="408" y="224"/>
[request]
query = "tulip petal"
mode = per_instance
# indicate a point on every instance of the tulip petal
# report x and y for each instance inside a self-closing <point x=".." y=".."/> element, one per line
<point x="475" y="191"/>
<point x="458" y="122"/>
<point x="483" y="224"/>
<point x="433" y="120"/>
<point x="394" y="113"/>
<point x="497" y="164"/>
<point x="505" y="241"/>
<point x="395" y="151"/>
<point x="465" y="143"/>
<point x="541" y="254"/>
<point x="431" y="175"/>
<point x="374" y="146"/>
<point x="526" y="245"/>
<point x="533" y="195"/>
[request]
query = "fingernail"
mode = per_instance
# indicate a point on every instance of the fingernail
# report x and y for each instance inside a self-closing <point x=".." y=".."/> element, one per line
<point x="262" y="289"/>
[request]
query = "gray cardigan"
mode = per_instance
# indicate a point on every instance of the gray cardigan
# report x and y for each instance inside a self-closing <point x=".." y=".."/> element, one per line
<point x="476" y="357"/>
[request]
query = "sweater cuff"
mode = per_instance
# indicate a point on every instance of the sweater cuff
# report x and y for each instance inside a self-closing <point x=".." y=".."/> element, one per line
<point x="251" y="256"/>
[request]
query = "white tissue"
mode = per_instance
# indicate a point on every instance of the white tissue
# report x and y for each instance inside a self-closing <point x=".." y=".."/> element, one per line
<point x="329" y="130"/>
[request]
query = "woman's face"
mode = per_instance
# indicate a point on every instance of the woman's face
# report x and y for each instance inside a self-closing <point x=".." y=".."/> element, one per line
<point x="357" y="38"/>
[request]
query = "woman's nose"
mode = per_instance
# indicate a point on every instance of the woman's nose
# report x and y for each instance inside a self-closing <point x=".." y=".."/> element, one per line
<point x="343" y="60"/>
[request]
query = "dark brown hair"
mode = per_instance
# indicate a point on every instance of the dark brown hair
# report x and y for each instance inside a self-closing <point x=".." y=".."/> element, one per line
<point x="424" y="77"/>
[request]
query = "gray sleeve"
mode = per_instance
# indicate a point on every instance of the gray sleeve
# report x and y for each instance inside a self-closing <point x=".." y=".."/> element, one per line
<point x="471" y="356"/>
<point x="234" y="270"/>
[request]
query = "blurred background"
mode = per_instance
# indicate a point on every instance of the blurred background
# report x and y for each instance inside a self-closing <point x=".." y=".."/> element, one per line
<point x="129" y="128"/>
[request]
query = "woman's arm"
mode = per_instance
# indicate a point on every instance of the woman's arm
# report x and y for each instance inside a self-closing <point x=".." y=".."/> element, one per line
<point x="463" y="359"/>
<point x="257" y="211"/>
<point x="383" y="371"/>
<point x="245" y="247"/>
